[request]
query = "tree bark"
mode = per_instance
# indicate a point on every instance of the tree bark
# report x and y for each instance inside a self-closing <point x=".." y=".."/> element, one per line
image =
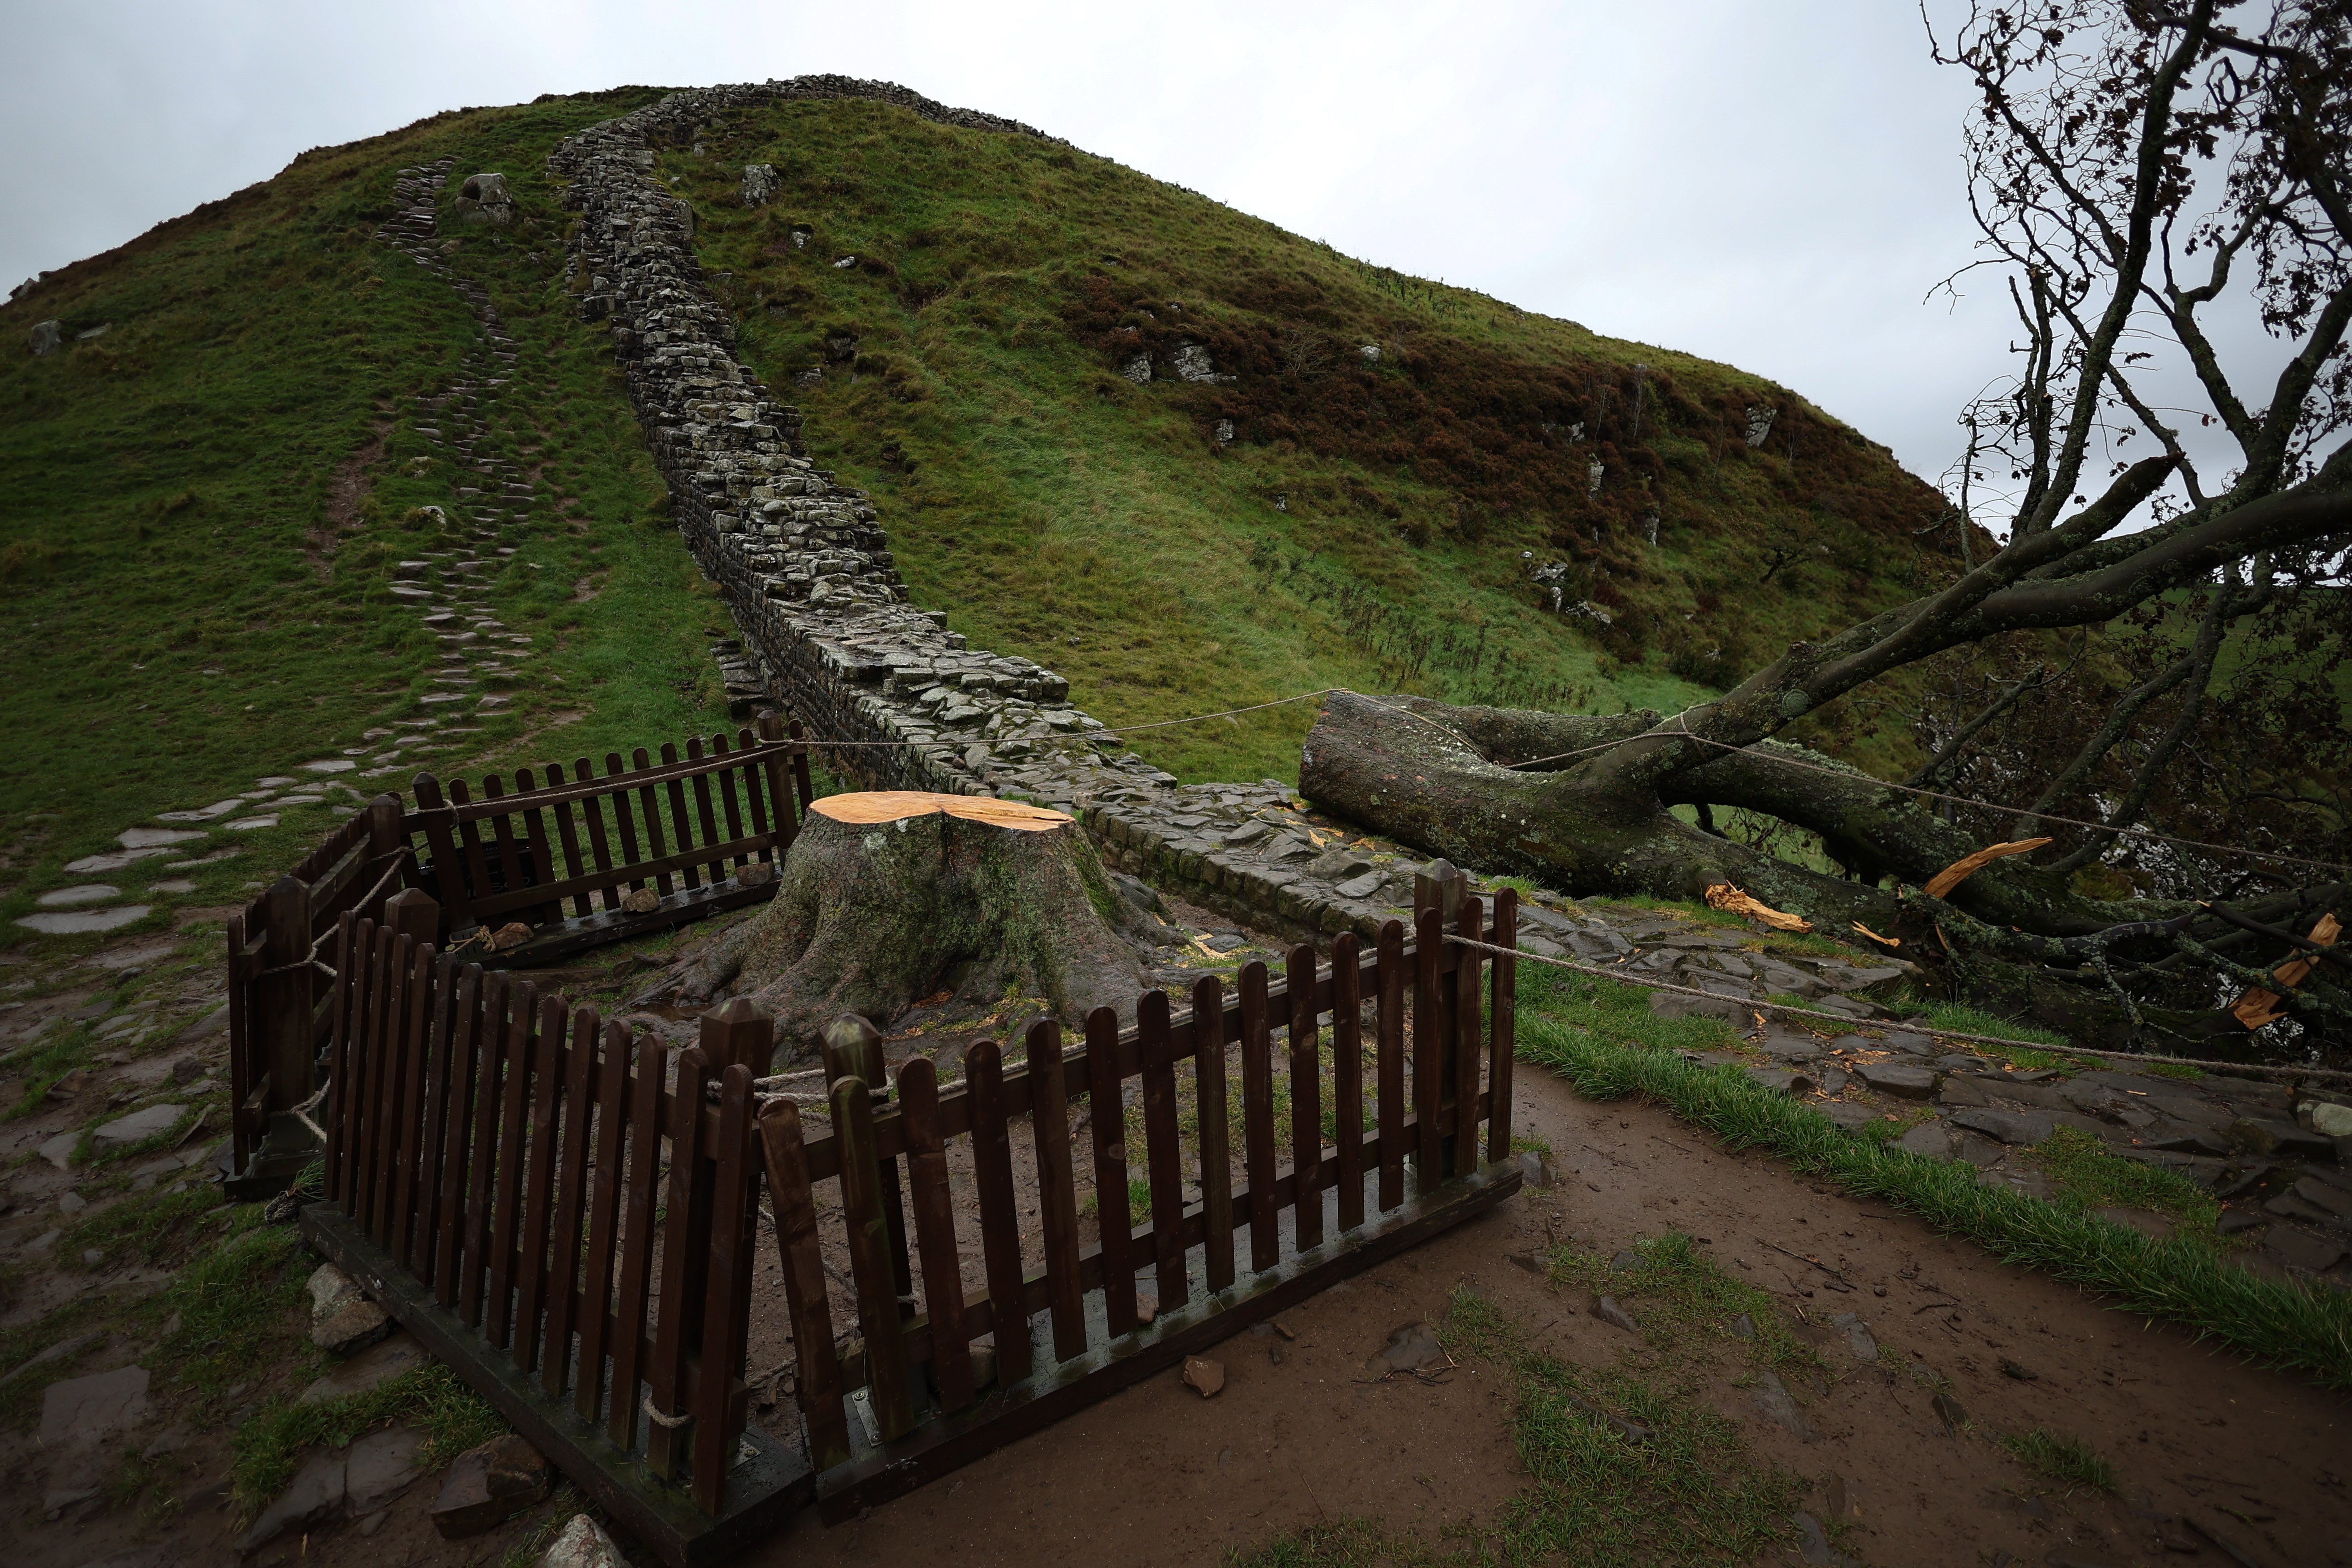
<point x="872" y="916"/>
<point x="1520" y="793"/>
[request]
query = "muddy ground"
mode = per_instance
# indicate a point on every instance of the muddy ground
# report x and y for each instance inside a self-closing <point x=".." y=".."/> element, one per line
<point x="1158" y="1475"/>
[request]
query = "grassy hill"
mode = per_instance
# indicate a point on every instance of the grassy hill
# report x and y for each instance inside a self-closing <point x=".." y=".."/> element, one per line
<point x="205" y="503"/>
<point x="1372" y="523"/>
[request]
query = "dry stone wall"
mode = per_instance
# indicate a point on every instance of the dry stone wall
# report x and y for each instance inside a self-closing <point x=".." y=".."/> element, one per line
<point x="806" y="566"/>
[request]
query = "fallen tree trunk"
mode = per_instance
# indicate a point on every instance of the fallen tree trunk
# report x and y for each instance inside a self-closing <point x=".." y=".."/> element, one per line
<point x="1532" y="794"/>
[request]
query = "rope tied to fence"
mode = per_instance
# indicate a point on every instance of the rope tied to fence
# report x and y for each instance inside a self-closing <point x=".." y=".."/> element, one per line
<point x="658" y="1418"/>
<point x="2228" y="1069"/>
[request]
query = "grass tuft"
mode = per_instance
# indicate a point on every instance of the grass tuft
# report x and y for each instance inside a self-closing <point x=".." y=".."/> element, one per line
<point x="2069" y="1461"/>
<point x="2292" y="1327"/>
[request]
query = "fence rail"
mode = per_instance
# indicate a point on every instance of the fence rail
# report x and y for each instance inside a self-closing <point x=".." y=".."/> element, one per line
<point x="569" y="1217"/>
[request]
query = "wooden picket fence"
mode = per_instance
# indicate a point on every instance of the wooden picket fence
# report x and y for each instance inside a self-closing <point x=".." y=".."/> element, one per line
<point x="568" y="1216"/>
<point x="564" y="853"/>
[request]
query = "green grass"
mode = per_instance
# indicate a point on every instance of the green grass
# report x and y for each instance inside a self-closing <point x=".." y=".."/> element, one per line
<point x="2089" y="1177"/>
<point x="1367" y="526"/>
<point x="1598" y="1035"/>
<point x="197" y="535"/>
<point x="270" y="1446"/>
<point x="2069" y="1461"/>
<point x="1624" y="1463"/>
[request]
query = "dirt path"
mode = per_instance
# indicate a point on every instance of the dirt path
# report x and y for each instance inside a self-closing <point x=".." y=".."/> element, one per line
<point x="1158" y="1475"/>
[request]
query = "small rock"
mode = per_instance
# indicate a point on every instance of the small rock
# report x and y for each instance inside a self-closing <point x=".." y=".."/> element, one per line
<point x="44" y="339"/>
<point x="1950" y="1412"/>
<point x="1899" y="1078"/>
<point x="1412" y="1347"/>
<point x="315" y="1496"/>
<point x="582" y="1545"/>
<point x="350" y="1328"/>
<point x="378" y="1363"/>
<point x="1607" y="1309"/>
<point x="639" y="901"/>
<point x="381" y="1465"/>
<point x="1147" y="1306"/>
<point x="85" y="1410"/>
<point x="1533" y="1170"/>
<point x="487" y="1486"/>
<point x="1931" y="1140"/>
<point x="1743" y="1327"/>
<point x="509" y="936"/>
<point x="2023" y="1374"/>
<point x="2009" y="1127"/>
<point x="984" y="1365"/>
<point x="2327" y="1119"/>
<point x="71" y="1202"/>
<point x="1813" y="1542"/>
<point x="2299" y="1249"/>
<point x="1206" y="1375"/>
<point x="1772" y="1400"/>
<point x="758" y="874"/>
<point x="139" y="1125"/>
<point x="1857" y="1336"/>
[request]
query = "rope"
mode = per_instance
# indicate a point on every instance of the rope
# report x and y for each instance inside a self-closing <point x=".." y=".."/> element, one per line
<point x="656" y="1417"/>
<point x="2227" y="1068"/>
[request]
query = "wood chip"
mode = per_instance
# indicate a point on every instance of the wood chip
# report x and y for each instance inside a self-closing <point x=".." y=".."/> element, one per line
<point x="1724" y="895"/>
<point x="1882" y="940"/>
<point x="2259" y="1006"/>
<point x="1967" y="866"/>
<point x="1204" y="1374"/>
<point x="896" y="804"/>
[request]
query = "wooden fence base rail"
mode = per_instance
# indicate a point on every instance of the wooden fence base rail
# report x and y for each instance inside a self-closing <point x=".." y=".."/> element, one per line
<point x="768" y="1483"/>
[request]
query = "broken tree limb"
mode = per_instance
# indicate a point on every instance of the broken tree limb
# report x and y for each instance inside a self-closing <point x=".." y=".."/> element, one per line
<point x="1730" y="900"/>
<point x="1967" y="866"/>
<point x="2259" y="1006"/>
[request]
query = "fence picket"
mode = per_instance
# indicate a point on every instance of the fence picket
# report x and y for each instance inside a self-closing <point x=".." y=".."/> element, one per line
<point x="1504" y="1027"/>
<point x="797" y="1250"/>
<point x="564" y="833"/>
<point x="1428" y="1050"/>
<point x="935" y="1235"/>
<point x="450" y="1185"/>
<point x="1217" y="1136"/>
<point x="1390" y="974"/>
<point x="694" y="751"/>
<point x="1468" y="1046"/>
<point x="999" y="1221"/>
<point x="686" y="1244"/>
<point x="424" y="1028"/>
<point x="514" y="1125"/>
<point x="600" y="849"/>
<point x="571" y="1195"/>
<point x="1107" y="1122"/>
<point x="482" y="1159"/>
<point x="1049" y="1117"/>
<point x="733" y="1211"/>
<point x="384" y="1153"/>
<point x="539" y="1184"/>
<point x="725" y="780"/>
<point x="1348" y="1077"/>
<point x="1257" y="1118"/>
<point x="887" y="1373"/>
<point x="542" y="867"/>
<point x="418" y="1214"/>
<point x="1163" y="1152"/>
<point x="678" y="819"/>
<point x="477" y="865"/>
<point x="635" y="1282"/>
<point x="1306" y="1102"/>
<point x="611" y="1116"/>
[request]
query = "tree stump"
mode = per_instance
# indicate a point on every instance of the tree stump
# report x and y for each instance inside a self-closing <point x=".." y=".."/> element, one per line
<point x="888" y="899"/>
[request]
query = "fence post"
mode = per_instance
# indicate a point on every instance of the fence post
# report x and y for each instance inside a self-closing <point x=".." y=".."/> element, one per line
<point x="283" y="1046"/>
<point x="737" y="1031"/>
<point x="783" y="801"/>
<point x="853" y="1049"/>
<point x="1439" y="889"/>
<point x="413" y="913"/>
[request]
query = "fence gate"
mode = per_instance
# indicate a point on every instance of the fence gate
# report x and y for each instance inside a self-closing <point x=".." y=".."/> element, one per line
<point x="569" y="1217"/>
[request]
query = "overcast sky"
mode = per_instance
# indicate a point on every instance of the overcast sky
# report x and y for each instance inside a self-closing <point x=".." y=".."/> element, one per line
<point x="1778" y="186"/>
